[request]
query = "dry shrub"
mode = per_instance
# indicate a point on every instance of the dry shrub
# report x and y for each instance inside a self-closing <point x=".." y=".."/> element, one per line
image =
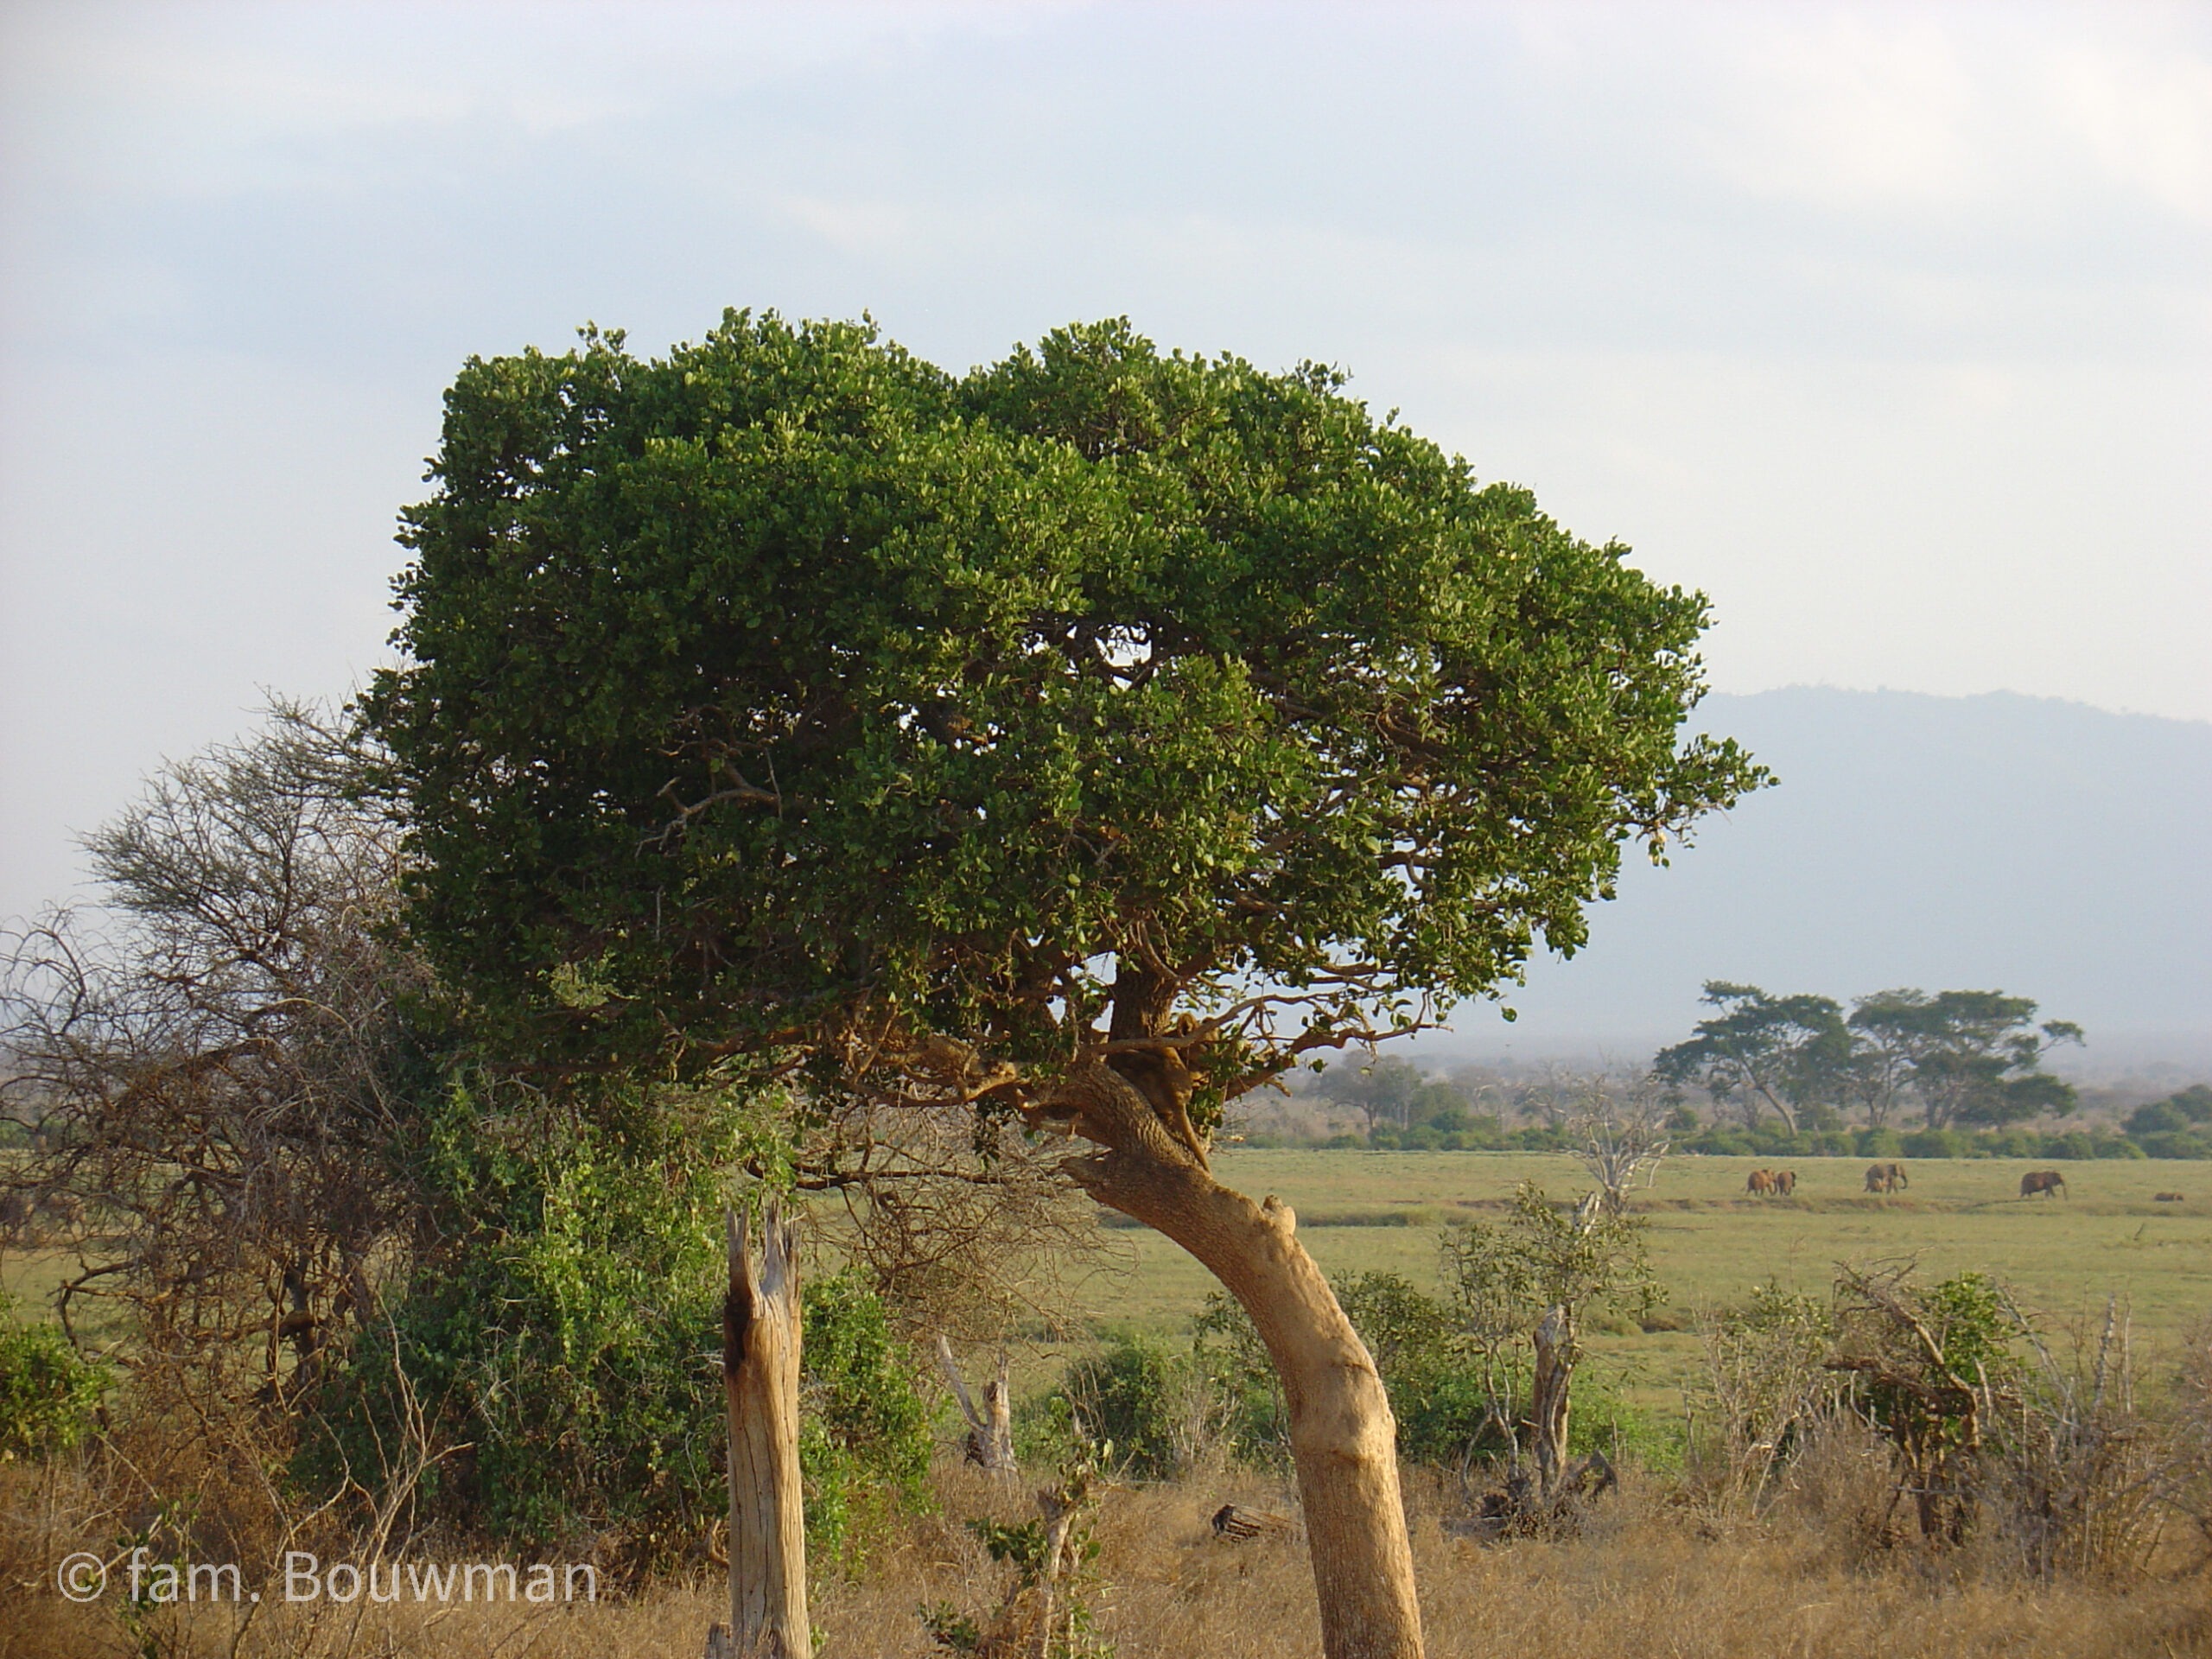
<point x="1764" y="1391"/>
<point x="2076" y="1482"/>
<point x="1836" y="1492"/>
<point x="2185" y="1483"/>
<point x="967" y="1231"/>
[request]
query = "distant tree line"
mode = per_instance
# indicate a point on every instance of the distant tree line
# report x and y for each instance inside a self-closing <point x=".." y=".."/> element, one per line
<point x="1954" y="1059"/>
<point x="1904" y="1073"/>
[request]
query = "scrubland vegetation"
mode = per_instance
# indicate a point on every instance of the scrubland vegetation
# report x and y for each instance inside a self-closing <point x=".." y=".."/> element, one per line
<point x="934" y="808"/>
<point x="1759" y="1488"/>
<point x="1748" y="1549"/>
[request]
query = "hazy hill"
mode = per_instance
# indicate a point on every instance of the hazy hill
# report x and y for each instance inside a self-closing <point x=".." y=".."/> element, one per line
<point x="2000" y="842"/>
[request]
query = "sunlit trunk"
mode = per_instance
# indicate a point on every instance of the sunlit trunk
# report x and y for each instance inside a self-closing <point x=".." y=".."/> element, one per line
<point x="767" y="1516"/>
<point x="1343" y="1437"/>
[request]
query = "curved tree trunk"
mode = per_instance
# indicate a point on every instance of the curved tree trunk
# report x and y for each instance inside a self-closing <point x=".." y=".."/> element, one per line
<point x="767" y="1516"/>
<point x="1341" y="1435"/>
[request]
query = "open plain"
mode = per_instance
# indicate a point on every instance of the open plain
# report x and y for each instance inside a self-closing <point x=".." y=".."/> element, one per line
<point x="1711" y="1242"/>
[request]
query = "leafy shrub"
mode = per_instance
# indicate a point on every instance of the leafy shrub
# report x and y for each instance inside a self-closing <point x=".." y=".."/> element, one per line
<point x="2178" y="1114"/>
<point x="1720" y="1143"/>
<point x="1154" y="1405"/>
<point x="1607" y="1421"/>
<point x="564" y="1333"/>
<point x="1939" y="1143"/>
<point x="567" y="1332"/>
<point x="865" y="1435"/>
<point x="2182" y="1145"/>
<point x="1435" y="1393"/>
<point x="49" y="1392"/>
<point x="1435" y="1386"/>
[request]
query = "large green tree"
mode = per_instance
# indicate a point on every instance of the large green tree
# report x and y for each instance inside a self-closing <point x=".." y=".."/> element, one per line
<point x="1761" y="1053"/>
<point x="1972" y="1057"/>
<point x="1086" y="739"/>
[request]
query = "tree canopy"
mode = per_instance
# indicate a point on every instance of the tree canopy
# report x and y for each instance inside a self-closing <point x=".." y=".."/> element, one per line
<point x="788" y="695"/>
<point x="1759" y="1052"/>
<point x="1967" y="1057"/>
<point x="1973" y="1057"/>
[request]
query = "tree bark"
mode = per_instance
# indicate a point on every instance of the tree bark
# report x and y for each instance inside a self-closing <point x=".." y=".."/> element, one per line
<point x="1343" y="1437"/>
<point x="767" y="1514"/>
<point x="1550" y="1394"/>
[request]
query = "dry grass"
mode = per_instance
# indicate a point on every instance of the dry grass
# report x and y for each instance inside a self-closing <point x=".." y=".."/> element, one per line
<point x="1646" y="1577"/>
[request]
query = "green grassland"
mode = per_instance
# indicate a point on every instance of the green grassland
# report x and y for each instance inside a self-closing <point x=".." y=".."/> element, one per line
<point x="1711" y="1244"/>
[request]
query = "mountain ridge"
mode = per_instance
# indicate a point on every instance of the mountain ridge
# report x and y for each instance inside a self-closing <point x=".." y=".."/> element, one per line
<point x="2043" y="847"/>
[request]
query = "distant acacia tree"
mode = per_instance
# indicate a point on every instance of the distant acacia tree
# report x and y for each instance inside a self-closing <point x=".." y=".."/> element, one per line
<point x="1969" y="1057"/>
<point x="1390" y="1090"/>
<point x="1965" y="1058"/>
<point x="1086" y="741"/>
<point x="1761" y="1053"/>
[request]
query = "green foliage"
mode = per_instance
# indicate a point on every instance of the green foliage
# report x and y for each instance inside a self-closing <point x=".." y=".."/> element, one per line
<point x="565" y="1329"/>
<point x="1970" y="1057"/>
<point x="1149" y="1404"/>
<point x="1226" y="1349"/>
<point x="1606" y="1420"/>
<point x="1761" y="1053"/>
<point x="1931" y="1366"/>
<point x="789" y="673"/>
<point x="1770" y="1140"/>
<point x="865" y="1433"/>
<point x="1450" y="1396"/>
<point x="566" y="1332"/>
<point x="1937" y="1143"/>
<point x="2192" y="1105"/>
<point x="49" y="1394"/>
<point x="1501" y="1277"/>
<point x="2179" y="1126"/>
<point x="1436" y="1385"/>
<point x="1436" y="1392"/>
<point x="1971" y="1323"/>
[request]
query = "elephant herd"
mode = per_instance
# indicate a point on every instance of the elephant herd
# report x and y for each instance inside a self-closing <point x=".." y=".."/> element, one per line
<point x="1887" y="1177"/>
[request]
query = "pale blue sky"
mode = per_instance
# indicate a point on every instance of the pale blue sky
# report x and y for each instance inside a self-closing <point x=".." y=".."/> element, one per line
<point x="1888" y="326"/>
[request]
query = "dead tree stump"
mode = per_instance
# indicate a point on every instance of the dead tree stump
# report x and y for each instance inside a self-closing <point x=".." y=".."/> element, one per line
<point x="990" y="1431"/>
<point x="767" y="1516"/>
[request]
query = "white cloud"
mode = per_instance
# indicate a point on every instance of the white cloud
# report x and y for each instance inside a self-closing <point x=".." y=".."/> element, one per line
<point x="2148" y="120"/>
<point x="1847" y="110"/>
